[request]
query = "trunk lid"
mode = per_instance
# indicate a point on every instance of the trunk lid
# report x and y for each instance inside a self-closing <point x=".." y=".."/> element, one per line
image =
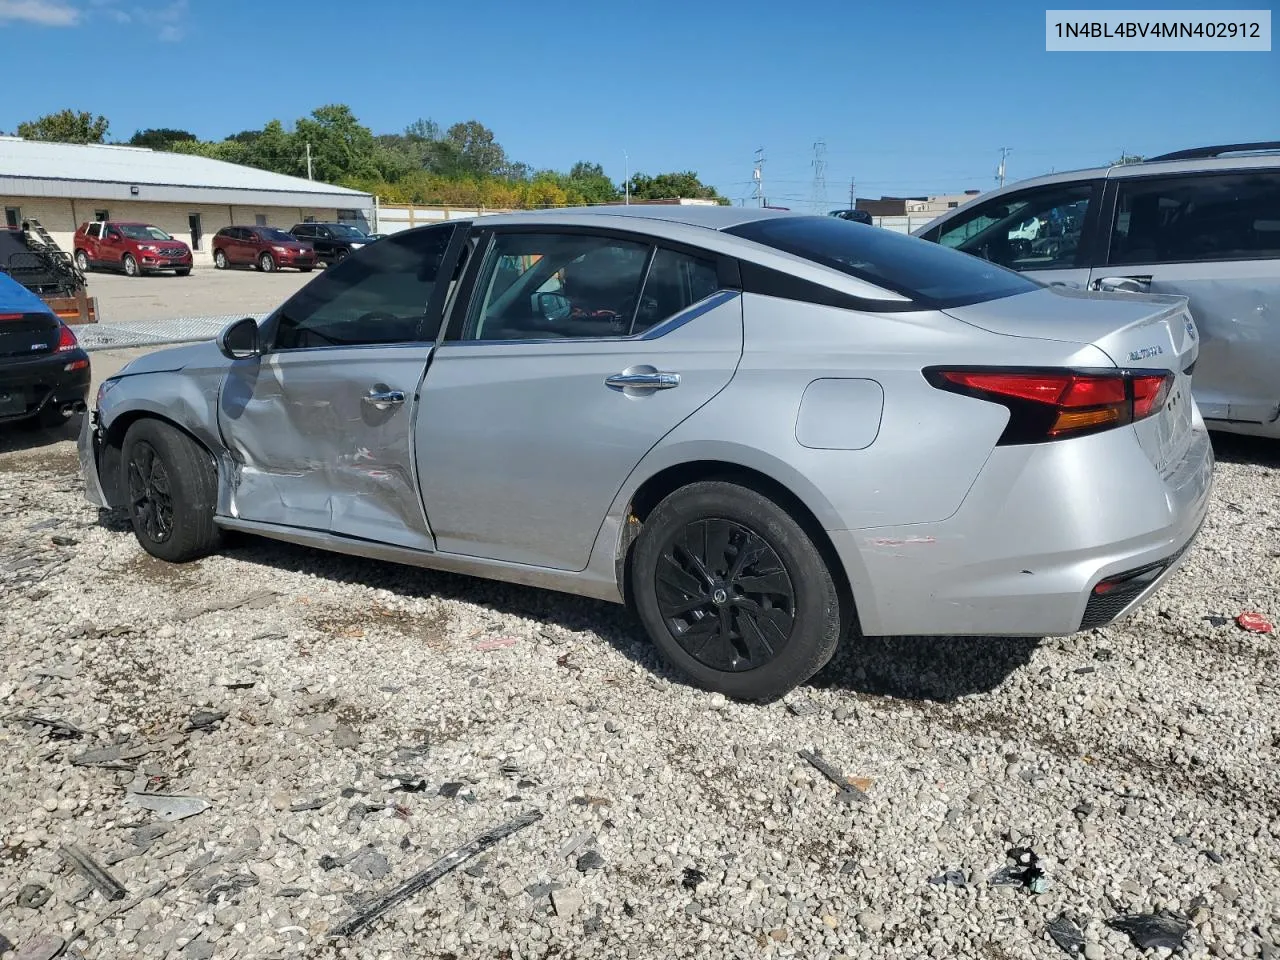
<point x="25" y="335"/>
<point x="1138" y="332"/>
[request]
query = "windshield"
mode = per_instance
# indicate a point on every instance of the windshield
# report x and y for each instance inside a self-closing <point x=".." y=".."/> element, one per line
<point x="917" y="269"/>
<point x="276" y="236"/>
<point x="348" y="232"/>
<point x="136" y="231"/>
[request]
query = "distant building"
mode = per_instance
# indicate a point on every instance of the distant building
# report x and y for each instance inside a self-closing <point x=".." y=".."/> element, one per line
<point x="926" y="205"/>
<point x="63" y="185"/>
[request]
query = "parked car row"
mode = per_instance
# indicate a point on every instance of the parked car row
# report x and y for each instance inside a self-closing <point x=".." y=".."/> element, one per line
<point x="136" y="248"/>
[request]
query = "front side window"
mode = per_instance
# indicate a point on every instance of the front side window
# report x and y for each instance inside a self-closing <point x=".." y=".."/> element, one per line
<point x="377" y="296"/>
<point x="272" y="235"/>
<point x="922" y="271"/>
<point x="1196" y="218"/>
<point x="344" y="231"/>
<point x="94" y="230"/>
<point x="1037" y="230"/>
<point x="137" y="232"/>
<point x="540" y="286"/>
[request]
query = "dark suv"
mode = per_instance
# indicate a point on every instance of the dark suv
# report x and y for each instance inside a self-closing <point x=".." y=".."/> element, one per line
<point x="332" y="241"/>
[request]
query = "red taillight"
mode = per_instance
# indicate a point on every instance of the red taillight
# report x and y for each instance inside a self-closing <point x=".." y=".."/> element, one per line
<point x="66" y="339"/>
<point x="1050" y="404"/>
<point x="12" y="316"/>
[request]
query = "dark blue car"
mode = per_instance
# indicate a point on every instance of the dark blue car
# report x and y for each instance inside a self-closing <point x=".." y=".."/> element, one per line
<point x="44" y="372"/>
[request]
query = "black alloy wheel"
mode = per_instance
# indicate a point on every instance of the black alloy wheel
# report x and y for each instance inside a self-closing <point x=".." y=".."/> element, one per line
<point x="150" y="496"/>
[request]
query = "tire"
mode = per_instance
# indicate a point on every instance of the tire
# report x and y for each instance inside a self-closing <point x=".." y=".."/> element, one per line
<point x="787" y="593"/>
<point x="305" y="269"/>
<point x="130" y="266"/>
<point x="220" y="259"/>
<point x="184" y="272"/>
<point x="340" y="255"/>
<point x="266" y="263"/>
<point x="172" y="492"/>
<point x="82" y="262"/>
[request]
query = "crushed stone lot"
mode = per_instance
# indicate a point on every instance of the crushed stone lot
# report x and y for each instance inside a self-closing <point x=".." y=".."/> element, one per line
<point x="258" y="745"/>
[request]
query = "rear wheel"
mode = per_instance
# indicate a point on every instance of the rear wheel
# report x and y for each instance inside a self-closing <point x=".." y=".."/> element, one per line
<point x="220" y="259"/>
<point x="266" y="263"/>
<point x="339" y="256"/>
<point x="130" y="265"/>
<point x="82" y="261"/>
<point x="733" y="591"/>
<point x="172" y="492"/>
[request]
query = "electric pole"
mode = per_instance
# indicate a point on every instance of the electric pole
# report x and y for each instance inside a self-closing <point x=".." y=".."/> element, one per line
<point x="819" y="197"/>
<point x="626" y="178"/>
<point x="1004" y="153"/>
<point x="308" y="159"/>
<point x="757" y="177"/>
<point x="852" y="193"/>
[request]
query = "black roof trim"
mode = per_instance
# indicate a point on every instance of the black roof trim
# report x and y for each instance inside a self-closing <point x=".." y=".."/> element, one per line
<point x="1205" y="153"/>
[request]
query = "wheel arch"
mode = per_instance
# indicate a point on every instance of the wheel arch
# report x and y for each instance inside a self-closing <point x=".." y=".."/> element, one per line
<point x="112" y="450"/>
<point x="663" y="482"/>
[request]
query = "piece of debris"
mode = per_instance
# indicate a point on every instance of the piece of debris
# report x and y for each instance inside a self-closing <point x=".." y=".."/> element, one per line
<point x="407" y="784"/>
<point x="1103" y="654"/>
<point x="802" y="707"/>
<point x="44" y="947"/>
<point x="59" y="540"/>
<point x="1082" y="810"/>
<point x="167" y="806"/>
<point x="692" y="877"/>
<point x="477" y="869"/>
<point x="236" y="684"/>
<point x="566" y="902"/>
<point x="229" y="886"/>
<point x="591" y="860"/>
<point x="107" y="885"/>
<point x="849" y="866"/>
<point x="496" y="643"/>
<point x="6" y="945"/>
<point x="1025" y="871"/>
<point x="33" y="896"/>
<point x="1217" y="621"/>
<point x="291" y="892"/>
<point x="145" y="836"/>
<point x="204" y="719"/>
<point x="315" y="804"/>
<point x="377" y="906"/>
<point x="369" y="864"/>
<point x="58" y="729"/>
<point x="116" y="757"/>
<point x="1067" y="934"/>
<point x="590" y="801"/>
<point x="1082" y="671"/>
<point x="1148" y="930"/>
<point x="847" y="792"/>
<point x="1254" y="623"/>
<point x="950" y="878"/>
<point x="451" y="789"/>
<point x="254" y="601"/>
<point x="576" y="843"/>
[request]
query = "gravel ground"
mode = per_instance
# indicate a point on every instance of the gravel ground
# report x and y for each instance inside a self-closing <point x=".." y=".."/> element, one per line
<point x="355" y="721"/>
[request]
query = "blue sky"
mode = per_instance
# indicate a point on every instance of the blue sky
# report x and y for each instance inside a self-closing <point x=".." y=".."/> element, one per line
<point x="909" y="97"/>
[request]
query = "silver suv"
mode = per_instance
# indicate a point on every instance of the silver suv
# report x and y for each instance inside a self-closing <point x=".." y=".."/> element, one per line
<point x="1201" y="223"/>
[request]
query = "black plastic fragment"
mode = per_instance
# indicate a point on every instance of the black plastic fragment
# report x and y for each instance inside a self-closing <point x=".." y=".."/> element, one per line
<point x="949" y="878"/>
<point x="1025" y="871"/>
<point x="33" y="896"/>
<point x="1067" y="934"/>
<point x="451" y="789"/>
<point x="692" y="877"/>
<point x="204" y="719"/>
<point x="591" y="860"/>
<point x="1149" y="930"/>
<point x="847" y="792"/>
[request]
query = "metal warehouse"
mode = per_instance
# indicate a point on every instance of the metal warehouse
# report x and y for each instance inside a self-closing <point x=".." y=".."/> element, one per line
<point x="63" y="185"/>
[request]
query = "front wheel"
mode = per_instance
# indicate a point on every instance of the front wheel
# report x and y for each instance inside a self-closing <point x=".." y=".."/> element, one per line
<point x="734" y="592"/>
<point x="220" y="259"/>
<point x="304" y="269"/>
<point x="266" y="263"/>
<point x="82" y="261"/>
<point x="172" y="492"/>
<point x="184" y="272"/>
<point x="130" y="265"/>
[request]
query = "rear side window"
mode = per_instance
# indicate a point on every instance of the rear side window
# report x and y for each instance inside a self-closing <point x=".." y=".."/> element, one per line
<point x="929" y="274"/>
<point x="1200" y="218"/>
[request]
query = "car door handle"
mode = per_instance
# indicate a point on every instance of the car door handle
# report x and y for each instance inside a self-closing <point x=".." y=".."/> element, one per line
<point x="1123" y="284"/>
<point x="383" y="399"/>
<point x="643" y="381"/>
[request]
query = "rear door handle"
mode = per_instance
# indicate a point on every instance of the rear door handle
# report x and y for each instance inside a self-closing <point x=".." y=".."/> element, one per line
<point x="383" y="399"/>
<point x="643" y="381"/>
<point x="1123" y="284"/>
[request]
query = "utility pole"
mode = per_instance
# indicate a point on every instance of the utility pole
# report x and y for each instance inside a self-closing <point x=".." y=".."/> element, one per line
<point x="757" y="177"/>
<point x="626" y="177"/>
<point x="308" y="159"/>
<point x="819" y="198"/>
<point x="1004" y="153"/>
<point x="852" y="193"/>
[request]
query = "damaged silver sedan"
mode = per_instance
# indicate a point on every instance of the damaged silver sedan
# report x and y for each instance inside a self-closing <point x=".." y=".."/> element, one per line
<point x="760" y="430"/>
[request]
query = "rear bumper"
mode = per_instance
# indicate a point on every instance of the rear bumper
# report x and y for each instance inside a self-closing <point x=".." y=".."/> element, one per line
<point x="45" y="382"/>
<point x="1041" y="528"/>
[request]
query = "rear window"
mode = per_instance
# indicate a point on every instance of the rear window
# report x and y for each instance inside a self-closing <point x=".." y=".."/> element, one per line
<point x="925" y="272"/>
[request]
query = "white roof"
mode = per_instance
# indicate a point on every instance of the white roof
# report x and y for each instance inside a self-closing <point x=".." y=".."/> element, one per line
<point x="140" y="166"/>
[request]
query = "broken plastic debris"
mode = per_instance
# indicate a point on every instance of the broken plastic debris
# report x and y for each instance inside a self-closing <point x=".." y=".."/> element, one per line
<point x="1254" y="623"/>
<point x="1067" y="934"/>
<point x="204" y="719"/>
<point x="167" y="806"/>
<point x="1025" y="871"/>
<point x="847" y="791"/>
<point x="106" y="884"/>
<point x="802" y="708"/>
<point x="33" y="895"/>
<point x="1148" y="930"/>
<point x="58" y="729"/>
<point x="951" y="878"/>
<point x="496" y="643"/>
<point x="692" y="877"/>
<point x="1216" y="621"/>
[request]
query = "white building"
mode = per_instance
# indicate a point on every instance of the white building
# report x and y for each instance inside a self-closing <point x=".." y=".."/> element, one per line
<point x="63" y="185"/>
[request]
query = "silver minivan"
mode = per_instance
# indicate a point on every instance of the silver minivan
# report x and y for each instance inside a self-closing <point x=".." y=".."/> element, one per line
<point x="1201" y="223"/>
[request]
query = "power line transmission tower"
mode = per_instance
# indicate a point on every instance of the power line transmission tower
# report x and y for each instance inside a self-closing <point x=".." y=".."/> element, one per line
<point x="819" y="198"/>
<point x="853" y="184"/>
<point x="1004" y="153"/>
<point x="757" y="177"/>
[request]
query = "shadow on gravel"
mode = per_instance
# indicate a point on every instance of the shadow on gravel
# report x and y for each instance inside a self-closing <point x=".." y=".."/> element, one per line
<point x="24" y="435"/>
<point x="940" y="669"/>
<point x="1231" y="448"/>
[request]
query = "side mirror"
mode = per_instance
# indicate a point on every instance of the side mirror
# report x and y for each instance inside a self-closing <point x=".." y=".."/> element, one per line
<point x="554" y="306"/>
<point x="239" y="340"/>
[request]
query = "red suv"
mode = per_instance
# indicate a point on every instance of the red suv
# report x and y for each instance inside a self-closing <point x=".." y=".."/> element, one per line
<point x="136" y="248"/>
<point x="263" y="247"/>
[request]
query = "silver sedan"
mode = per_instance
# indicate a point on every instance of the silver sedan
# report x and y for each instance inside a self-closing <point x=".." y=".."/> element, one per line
<point x="759" y="430"/>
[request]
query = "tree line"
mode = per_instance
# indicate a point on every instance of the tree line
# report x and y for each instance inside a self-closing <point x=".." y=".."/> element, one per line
<point x="463" y="164"/>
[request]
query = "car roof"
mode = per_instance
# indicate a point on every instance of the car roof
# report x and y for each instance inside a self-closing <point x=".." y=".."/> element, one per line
<point x="709" y="217"/>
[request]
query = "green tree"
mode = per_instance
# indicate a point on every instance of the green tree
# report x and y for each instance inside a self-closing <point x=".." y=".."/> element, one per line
<point x="340" y="145"/>
<point x="159" y="138"/>
<point x="587" y="183"/>
<point x="66" y="126"/>
<point x="478" y="152"/>
<point x="672" y="186"/>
